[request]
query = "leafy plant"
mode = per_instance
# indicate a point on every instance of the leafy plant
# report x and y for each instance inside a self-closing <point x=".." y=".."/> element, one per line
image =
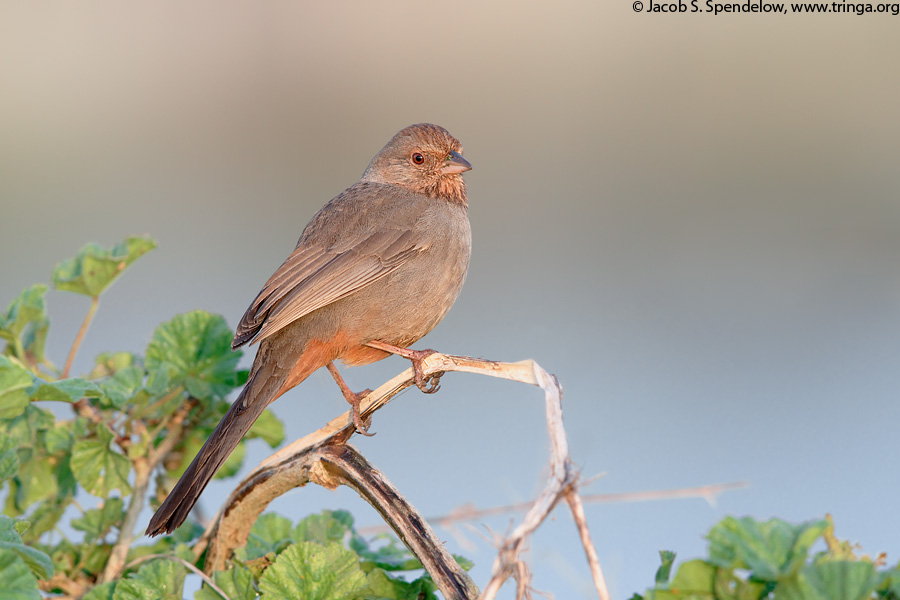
<point x="751" y="560"/>
<point x="74" y="486"/>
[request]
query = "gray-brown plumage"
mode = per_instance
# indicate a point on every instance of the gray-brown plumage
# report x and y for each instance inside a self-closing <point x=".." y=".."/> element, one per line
<point x="381" y="263"/>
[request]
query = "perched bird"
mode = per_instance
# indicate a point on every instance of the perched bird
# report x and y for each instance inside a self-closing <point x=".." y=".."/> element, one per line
<point x="375" y="269"/>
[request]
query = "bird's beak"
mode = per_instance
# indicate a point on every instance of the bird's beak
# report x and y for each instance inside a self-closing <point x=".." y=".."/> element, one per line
<point x="455" y="163"/>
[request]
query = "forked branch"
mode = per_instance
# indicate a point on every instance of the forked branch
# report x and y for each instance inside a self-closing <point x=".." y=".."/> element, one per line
<point x="323" y="457"/>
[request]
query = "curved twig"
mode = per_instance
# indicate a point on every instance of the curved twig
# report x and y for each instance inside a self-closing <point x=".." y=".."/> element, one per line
<point x="329" y="466"/>
<point x="323" y="457"/>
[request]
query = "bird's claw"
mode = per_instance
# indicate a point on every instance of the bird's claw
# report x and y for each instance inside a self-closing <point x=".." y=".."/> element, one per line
<point x="362" y="425"/>
<point x="430" y="384"/>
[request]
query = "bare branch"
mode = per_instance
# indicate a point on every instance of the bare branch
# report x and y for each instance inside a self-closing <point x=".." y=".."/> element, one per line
<point x="589" y="550"/>
<point x="562" y="477"/>
<point x="341" y="427"/>
<point x="329" y="466"/>
<point x="469" y="512"/>
<point x="708" y="492"/>
<point x="319" y="457"/>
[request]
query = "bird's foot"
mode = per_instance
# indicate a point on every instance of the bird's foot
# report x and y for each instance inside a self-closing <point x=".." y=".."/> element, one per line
<point x="354" y="400"/>
<point x="362" y="424"/>
<point x="429" y="384"/>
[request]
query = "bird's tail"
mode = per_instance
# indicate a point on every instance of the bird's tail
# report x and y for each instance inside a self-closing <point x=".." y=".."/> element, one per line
<point x="260" y="389"/>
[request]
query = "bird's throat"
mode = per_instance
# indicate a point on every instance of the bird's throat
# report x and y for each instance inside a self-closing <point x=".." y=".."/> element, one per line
<point x="452" y="188"/>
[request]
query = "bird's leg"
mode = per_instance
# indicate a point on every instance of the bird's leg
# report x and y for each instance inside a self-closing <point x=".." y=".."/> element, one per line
<point x="353" y="399"/>
<point x="430" y="385"/>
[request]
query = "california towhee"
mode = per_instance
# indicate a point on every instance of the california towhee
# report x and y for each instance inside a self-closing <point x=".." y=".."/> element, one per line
<point x="375" y="269"/>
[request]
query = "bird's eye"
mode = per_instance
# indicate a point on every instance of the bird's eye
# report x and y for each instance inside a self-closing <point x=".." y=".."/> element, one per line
<point x="417" y="158"/>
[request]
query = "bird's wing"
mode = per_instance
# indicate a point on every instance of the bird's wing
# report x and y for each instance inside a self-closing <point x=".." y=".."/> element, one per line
<point x="314" y="276"/>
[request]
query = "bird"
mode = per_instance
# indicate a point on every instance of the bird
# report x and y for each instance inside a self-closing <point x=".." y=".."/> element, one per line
<point x="375" y="270"/>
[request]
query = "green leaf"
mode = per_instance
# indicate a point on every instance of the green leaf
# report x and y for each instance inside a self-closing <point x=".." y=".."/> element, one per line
<point x="327" y="526"/>
<point x="270" y="533"/>
<point x="832" y="580"/>
<point x="8" y="531"/>
<point x="195" y="350"/>
<point x="97" y="467"/>
<point x="9" y="459"/>
<point x="95" y="556"/>
<point x="729" y="586"/>
<point x="662" y="573"/>
<point x="65" y="390"/>
<point x="188" y="532"/>
<point x="159" y="383"/>
<point x="104" y="591"/>
<point x="695" y="577"/>
<point x="45" y="517"/>
<point x="125" y="383"/>
<point x="237" y="582"/>
<point x="21" y="526"/>
<point x="97" y="522"/>
<point x="15" y="382"/>
<point x="25" y="323"/>
<point x="424" y="588"/>
<point x="24" y="429"/>
<point x="110" y="363"/>
<point x="95" y="267"/>
<point x="314" y="572"/>
<point x="19" y="583"/>
<point x="9" y="464"/>
<point x="62" y="471"/>
<point x="462" y="561"/>
<point x="269" y="428"/>
<point x="380" y="585"/>
<point x="392" y="556"/>
<point x="156" y="580"/>
<point x="63" y="434"/>
<point x="770" y="549"/>
<point x="38" y="562"/>
<point x="890" y="583"/>
<point x="37" y="481"/>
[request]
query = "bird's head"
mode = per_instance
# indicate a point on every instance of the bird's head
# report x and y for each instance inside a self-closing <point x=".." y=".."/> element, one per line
<point x="424" y="158"/>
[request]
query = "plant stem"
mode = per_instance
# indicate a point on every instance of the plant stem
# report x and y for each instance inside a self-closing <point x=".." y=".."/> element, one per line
<point x="84" y="325"/>
<point x="143" y="469"/>
<point x="116" y="562"/>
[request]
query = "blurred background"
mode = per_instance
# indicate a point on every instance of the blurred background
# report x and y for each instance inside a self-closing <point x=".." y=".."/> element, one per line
<point x="694" y="221"/>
